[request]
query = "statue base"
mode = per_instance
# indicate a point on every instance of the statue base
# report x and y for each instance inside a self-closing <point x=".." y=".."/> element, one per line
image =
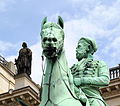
<point x="23" y="80"/>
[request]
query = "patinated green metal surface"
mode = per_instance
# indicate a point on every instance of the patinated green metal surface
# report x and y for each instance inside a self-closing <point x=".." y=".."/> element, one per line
<point x="89" y="74"/>
<point x="57" y="84"/>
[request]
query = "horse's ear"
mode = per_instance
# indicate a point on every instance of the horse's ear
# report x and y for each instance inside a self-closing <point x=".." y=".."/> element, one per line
<point x="43" y="22"/>
<point x="60" y="22"/>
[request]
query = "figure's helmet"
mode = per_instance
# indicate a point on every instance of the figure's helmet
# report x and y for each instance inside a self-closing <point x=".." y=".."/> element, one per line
<point x="52" y="36"/>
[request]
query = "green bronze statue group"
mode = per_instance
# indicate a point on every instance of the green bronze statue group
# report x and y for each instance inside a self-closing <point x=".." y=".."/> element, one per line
<point x="75" y="86"/>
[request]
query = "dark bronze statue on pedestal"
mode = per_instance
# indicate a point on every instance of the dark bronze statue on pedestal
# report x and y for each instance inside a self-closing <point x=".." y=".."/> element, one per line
<point x="23" y="62"/>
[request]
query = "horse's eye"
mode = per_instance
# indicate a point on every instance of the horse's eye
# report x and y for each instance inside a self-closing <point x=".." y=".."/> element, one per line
<point x="79" y="46"/>
<point x="44" y="39"/>
<point x="54" y="39"/>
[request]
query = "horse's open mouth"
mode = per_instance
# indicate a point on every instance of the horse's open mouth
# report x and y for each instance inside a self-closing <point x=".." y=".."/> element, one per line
<point x="49" y="51"/>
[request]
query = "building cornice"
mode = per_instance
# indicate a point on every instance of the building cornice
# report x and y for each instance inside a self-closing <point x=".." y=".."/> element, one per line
<point x="7" y="69"/>
<point x="112" y="90"/>
<point x="25" y="94"/>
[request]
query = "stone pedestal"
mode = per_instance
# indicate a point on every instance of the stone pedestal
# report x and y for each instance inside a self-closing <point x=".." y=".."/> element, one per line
<point x="23" y="80"/>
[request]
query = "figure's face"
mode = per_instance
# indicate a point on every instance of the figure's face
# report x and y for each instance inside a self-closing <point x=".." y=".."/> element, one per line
<point x="81" y="50"/>
<point x="52" y="41"/>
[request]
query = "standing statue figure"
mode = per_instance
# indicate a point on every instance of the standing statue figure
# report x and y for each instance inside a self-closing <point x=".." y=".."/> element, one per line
<point x="23" y="62"/>
<point x="57" y="88"/>
<point x="89" y="74"/>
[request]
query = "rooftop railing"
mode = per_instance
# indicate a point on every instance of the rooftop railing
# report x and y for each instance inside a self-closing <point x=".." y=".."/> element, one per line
<point x="3" y="61"/>
<point x="115" y="72"/>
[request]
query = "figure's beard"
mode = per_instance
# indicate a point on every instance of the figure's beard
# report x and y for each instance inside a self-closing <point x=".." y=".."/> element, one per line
<point x="81" y="54"/>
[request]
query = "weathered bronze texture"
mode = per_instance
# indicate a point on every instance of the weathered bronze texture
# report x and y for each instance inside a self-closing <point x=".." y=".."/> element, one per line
<point x="23" y="62"/>
<point x="57" y="88"/>
<point x="89" y="74"/>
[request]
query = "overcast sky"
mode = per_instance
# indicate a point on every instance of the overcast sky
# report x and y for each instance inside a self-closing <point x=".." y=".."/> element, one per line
<point x="20" y="21"/>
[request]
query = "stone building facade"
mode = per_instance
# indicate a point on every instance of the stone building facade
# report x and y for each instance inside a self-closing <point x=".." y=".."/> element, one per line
<point x="16" y="90"/>
<point x="111" y="93"/>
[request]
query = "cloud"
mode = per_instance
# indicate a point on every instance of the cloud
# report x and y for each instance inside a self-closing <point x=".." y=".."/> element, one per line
<point x="36" y="63"/>
<point x="112" y="51"/>
<point x="5" y="46"/>
<point x="100" y="21"/>
<point x="11" y="58"/>
<point x="84" y="5"/>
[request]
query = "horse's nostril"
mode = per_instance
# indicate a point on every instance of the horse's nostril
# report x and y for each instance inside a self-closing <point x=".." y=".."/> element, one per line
<point x="54" y="39"/>
<point x="50" y="45"/>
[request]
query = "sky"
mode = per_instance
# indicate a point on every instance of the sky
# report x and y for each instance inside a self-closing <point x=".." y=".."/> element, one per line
<point x="20" y="20"/>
